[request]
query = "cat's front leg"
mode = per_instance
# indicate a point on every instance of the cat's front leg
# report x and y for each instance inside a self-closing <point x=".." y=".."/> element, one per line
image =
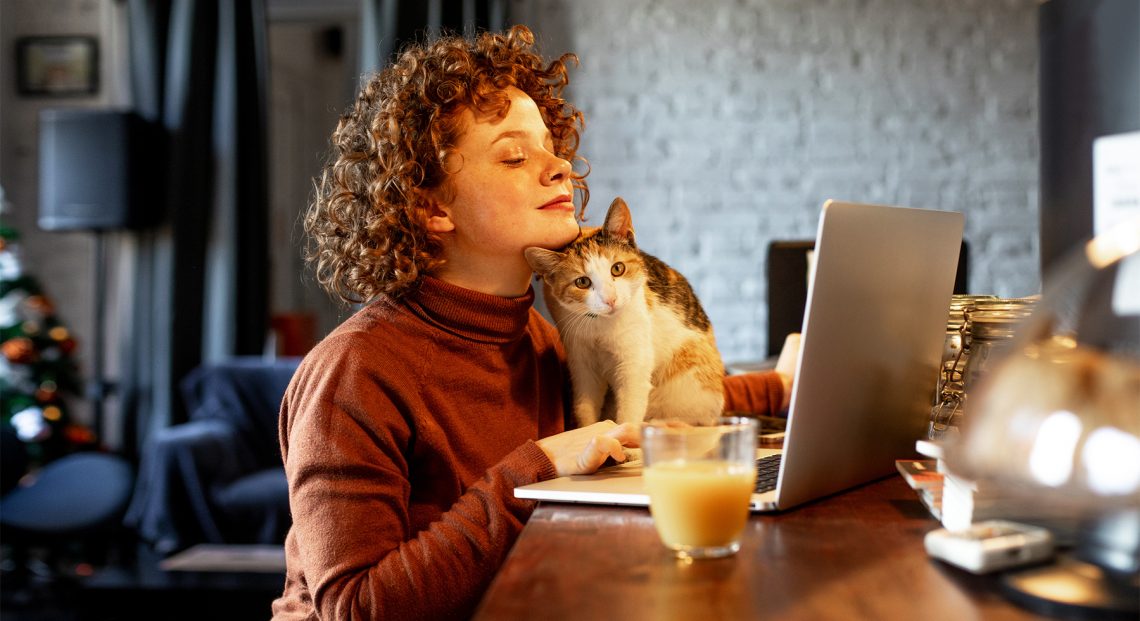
<point x="632" y="385"/>
<point x="589" y="392"/>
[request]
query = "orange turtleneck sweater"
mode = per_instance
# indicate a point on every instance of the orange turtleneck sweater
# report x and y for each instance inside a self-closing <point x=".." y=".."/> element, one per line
<point x="404" y="433"/>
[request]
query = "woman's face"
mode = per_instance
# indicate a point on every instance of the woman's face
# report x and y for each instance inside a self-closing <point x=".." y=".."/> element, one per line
<point x="510" y="191"/>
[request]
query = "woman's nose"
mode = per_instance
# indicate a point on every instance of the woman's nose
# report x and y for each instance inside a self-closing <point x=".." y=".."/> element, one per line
<point x="558" y="170"/>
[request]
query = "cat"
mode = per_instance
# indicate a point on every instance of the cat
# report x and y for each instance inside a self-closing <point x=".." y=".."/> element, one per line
<point x="631" y="325"/>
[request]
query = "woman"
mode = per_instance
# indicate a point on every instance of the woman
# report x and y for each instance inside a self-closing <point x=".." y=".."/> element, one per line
<point x="405" y="431"/>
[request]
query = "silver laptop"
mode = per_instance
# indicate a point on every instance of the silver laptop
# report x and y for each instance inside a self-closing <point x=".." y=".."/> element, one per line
<point x="871" y="342"/>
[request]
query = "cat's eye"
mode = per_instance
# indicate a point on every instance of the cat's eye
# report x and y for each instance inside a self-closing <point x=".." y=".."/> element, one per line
<point x="618" y="268"/>
<point x="582" y="282"/>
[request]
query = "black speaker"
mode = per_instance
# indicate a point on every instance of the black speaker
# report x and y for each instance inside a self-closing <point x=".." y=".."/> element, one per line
<point x="99" y="170"/>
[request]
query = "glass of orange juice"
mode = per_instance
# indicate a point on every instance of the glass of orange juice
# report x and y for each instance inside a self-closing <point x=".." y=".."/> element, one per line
<point x="700" y="480"/>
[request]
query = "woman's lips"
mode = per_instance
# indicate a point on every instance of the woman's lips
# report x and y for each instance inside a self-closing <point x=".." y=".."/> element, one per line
<point x="560" y="203"/>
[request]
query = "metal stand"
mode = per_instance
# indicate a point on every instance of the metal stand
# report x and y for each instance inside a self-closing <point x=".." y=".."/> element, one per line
<point x="98" y="388"/>
<point x="1072" y="589"/>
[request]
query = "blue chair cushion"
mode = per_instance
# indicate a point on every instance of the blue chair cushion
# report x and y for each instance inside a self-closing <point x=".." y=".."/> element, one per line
<point x="256" y="506"/>
<point x="74" y="493"/>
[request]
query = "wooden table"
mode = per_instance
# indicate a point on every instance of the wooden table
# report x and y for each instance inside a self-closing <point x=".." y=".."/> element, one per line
<point x="856" y="555"/>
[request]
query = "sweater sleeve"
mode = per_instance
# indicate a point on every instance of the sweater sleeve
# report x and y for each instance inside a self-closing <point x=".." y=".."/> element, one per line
<point x="759" y="393"/>
<point x="349" y="489"/>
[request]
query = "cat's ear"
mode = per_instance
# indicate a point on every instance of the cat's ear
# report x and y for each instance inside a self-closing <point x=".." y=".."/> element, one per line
<point x="541" y="260"/>
<point x="619" y="224"/>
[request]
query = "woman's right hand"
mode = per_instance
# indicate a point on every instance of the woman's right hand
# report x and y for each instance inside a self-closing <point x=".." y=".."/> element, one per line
<point x="786" y="365"/>
<point x="584" y="450"/>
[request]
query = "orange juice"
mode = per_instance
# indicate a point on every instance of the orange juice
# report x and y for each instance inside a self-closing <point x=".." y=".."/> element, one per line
<point x="699" y="504"/>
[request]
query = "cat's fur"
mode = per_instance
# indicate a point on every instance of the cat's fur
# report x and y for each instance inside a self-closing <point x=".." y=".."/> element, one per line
<point x="639" y="332"/>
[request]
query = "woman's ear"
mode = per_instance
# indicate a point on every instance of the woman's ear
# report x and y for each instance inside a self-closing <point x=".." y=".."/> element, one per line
<point x="438" y="217"/>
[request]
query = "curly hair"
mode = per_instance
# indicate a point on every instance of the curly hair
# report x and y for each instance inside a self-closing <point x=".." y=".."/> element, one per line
<point x="367" y="223"/>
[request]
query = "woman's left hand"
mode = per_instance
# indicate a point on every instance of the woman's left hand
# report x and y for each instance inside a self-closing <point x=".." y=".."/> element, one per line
<point x="584" y="450"/>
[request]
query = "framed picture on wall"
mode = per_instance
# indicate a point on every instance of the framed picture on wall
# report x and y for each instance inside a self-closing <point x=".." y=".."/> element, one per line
<point x="57" y="65"/>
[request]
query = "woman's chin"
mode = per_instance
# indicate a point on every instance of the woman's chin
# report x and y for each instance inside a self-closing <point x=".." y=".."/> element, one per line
<point x="565" y="235"/>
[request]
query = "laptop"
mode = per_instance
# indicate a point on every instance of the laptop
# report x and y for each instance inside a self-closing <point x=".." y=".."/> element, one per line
<point x="871" y="344"/>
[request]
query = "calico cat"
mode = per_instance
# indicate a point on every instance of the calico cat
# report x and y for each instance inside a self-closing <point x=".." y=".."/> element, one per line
<point x="631" y="325"/>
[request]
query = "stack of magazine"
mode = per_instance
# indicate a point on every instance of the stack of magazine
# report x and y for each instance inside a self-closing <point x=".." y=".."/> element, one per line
<point x="924" y="478"/>
<point x="958" y="502"/>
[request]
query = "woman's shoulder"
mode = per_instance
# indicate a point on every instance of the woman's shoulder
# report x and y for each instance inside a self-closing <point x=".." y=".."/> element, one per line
<point x="372" y="335"/>
<point x="542" y="331"/>
<point x="369" y="358"/>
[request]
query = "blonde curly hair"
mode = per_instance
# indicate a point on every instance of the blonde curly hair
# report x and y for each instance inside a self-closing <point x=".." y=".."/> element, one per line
<point x="367" y="223"/>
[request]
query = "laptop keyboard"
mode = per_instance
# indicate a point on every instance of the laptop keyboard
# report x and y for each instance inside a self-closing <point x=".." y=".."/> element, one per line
<point x="767" y="469"/>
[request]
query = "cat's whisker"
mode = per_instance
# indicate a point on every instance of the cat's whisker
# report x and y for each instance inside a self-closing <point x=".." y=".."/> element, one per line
<point x="578" y="322"/>
<point x="568" y="325"/>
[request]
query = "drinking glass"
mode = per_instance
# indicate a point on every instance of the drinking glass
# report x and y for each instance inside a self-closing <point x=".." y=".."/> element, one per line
<point x="700" y="480"/>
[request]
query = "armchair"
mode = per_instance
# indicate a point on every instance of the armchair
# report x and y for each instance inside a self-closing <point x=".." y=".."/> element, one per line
<point x="218" y="478"/>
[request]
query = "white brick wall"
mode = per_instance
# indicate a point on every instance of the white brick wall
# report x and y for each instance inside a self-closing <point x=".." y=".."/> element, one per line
<point x="725" y="125"/>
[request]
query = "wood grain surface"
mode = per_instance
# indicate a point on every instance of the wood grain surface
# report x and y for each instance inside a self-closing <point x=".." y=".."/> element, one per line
<point x="856" y="555"/>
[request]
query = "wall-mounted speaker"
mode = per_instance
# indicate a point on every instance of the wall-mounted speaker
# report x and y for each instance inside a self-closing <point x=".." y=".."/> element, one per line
<point x="99" y="170"/>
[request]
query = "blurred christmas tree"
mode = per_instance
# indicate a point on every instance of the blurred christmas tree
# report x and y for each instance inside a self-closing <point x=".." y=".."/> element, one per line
<point x="37" y="367"/>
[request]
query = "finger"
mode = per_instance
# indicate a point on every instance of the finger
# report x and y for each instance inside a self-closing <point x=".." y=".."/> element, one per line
<point x="596" y="452"/>
<point x="627" y="434"/>
<point x="583" y="434"/>
<point x="609" y="446"/>
<point x="601" y="426"/>
<point x="786" y="362"/>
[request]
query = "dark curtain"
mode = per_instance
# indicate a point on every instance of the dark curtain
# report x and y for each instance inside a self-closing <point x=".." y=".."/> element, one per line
<point x="386" y="25"/>
<point x="198" y="70"/>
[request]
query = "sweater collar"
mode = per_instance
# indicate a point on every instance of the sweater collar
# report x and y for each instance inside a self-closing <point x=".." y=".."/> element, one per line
<point x="471" y="314"/>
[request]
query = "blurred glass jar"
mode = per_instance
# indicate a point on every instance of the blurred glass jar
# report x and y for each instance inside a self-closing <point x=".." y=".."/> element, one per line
<point x="950" y="391"/>
<point x="1055" y="417"/>
<point x="991" y="333"/>
<point x="956" y="343"/>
